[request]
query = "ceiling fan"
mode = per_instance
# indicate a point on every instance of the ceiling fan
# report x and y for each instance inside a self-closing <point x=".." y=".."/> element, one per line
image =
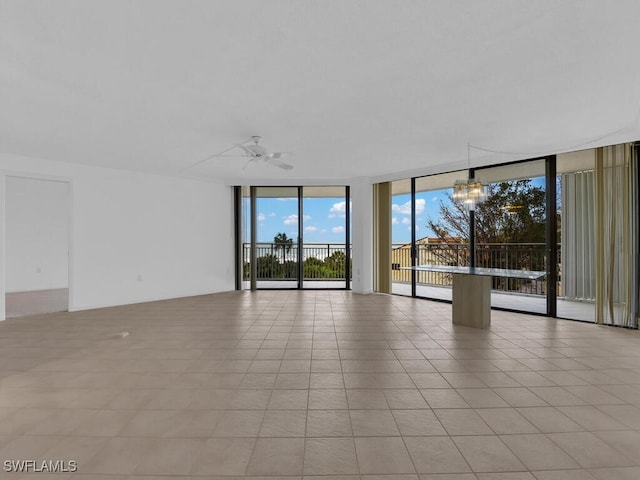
<point x="256" y="153"/>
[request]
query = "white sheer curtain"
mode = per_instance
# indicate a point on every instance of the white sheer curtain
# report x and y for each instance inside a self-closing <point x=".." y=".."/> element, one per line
<point x="578" y="236"/>
<point x="616" y="238"/>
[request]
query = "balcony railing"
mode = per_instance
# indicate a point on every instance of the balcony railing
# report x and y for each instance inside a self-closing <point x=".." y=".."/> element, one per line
<point x="514" y="256"/>
<point x="320" y="261"/>
<point x="326" y="261"/>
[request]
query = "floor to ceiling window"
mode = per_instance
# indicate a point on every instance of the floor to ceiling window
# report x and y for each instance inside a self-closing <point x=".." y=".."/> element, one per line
<point x="577" y="216"/>
<point x="510" y="229"/>
<point x="571" y="218"/>
<point x="296" y="237"/>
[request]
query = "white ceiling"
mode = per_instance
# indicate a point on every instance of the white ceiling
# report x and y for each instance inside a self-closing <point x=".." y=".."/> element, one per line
<point x="375" y="88"/>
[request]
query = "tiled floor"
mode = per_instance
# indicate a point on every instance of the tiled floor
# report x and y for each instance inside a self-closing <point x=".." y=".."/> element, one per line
<point x="18" y="304"/>
<point x="318" y="383"/>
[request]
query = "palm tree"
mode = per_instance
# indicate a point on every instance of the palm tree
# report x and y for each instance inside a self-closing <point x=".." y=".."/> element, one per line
<point x="284" y="243"/>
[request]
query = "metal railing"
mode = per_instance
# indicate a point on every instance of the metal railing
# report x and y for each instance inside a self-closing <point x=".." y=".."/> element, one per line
<point x="514" y="256"/>
<point x="326" y="261"/>
<point x="320" y="261"/>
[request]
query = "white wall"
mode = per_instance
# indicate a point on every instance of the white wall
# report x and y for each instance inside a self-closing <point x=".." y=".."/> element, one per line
<point x="138" y="237"/>
<point x="37" y="234"/>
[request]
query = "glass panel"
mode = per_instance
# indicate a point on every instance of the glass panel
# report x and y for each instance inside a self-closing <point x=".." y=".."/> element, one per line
<point x="576" y="225"/>
<point x="277" y="237"/>
<point x="511" y="233"/>
<point x="324" y="253"/>
<point x="400" y="237"/>
<point x="246" y="238"/>
<point x="442" y="231"/>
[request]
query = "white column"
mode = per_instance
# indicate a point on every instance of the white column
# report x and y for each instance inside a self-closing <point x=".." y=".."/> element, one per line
<point x="362" y="236"/>
<point x="3" y="241"/>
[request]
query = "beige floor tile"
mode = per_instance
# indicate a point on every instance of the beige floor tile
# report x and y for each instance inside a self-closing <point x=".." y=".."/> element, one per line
<point x="488" y="454"/>
<point x="239" y="423"/>
<point x="537" y="452"/>
<point x="621" y="473"/>
<point x="565" y="475"/>
<point x="462" y="422"/>
<point x="119" y="456"/>
<point x="590" y="418"/>
<point x="330" y="456"/>
<point x="436" y="455"/>
<point x="284" y="423"/>
<point x="557" y="396"/>
<point x="171" y="423"/>
<point x="103" y="423"/>
<point x="289" y="400"/>
<point x="448" y="476"/>
<point x="405" y="398"/>
<point x="497" y="379"/>
<point x="520" y="397"/>
<point x="589" y="451"/>
<point x="628" y="415"/>
<point x="223" y="456"/>
<point x="371" y="423"/>
<point x="29" y="447"/>
<point x="328" y="423"/>
<point x="287" y="381"/>
<point x="216" y="371"/>
<point x="418" y="422"/>
<point x="549" y="419"/>
<point x="169" y="456"/>
<point x="506" y="421"/>
<point x="464" y="380"/>
<point x="325" y="399"/>
<point x="481" y="398"/>
<point x="295" y="366"/>
<point x="326" y="380"/>
<point x="443" y="398"/>
<point x="277" y="456"/>
<point x="626" y="442"/>
<point x="505" y="476"/>
<point x="383" y="455"/>
<point x="366" y="398"/>
<point x="378" y="380"/>
<point x="429" y="380"/>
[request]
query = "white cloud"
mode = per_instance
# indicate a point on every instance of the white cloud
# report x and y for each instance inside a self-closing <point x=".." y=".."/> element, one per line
<point x="261" y="217"/>
<point x="310" y="228"/>
<point x="293" y="219"/>
<point x="339" y="210"/>
<point x="272" y="214"/>
<point x="337" y="229"/>
<point x="406" y="221"/>
<point x="324" y="230"/>
<point x="435" y="199"/>
<point x="405" y="208"/>
<point x="394" y="221"/>
<point x="288" y="199"/>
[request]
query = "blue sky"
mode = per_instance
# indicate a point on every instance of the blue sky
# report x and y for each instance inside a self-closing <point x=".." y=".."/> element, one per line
<point x="427" y="206"/>
<point x="323" y="219"/>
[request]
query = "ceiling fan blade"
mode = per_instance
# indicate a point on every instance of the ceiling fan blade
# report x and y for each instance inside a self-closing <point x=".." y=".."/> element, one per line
<point x="244" y="149"/>
<point x="279" y="163"/>
<point x="278" y="154"/>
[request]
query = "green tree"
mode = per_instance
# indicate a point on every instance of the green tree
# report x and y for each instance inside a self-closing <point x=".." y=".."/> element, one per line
<point x="283" y="244"/>
<point x="514" y="212"/>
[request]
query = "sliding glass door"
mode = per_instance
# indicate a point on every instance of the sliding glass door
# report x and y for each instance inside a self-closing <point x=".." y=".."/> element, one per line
<point x="296" y="237"/>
